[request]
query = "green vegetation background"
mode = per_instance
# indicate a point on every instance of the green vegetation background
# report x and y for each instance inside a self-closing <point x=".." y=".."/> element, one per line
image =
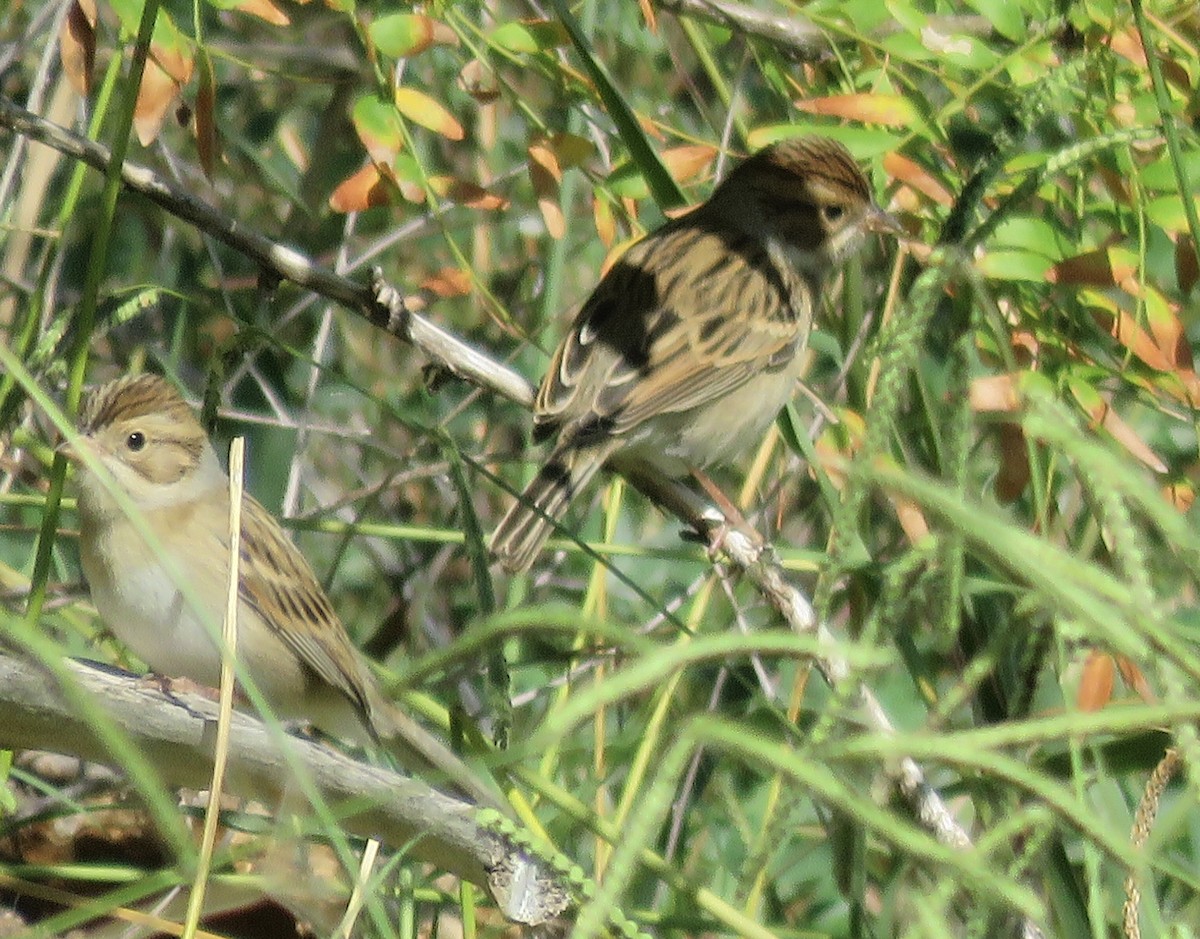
<point x="997" y="505"/>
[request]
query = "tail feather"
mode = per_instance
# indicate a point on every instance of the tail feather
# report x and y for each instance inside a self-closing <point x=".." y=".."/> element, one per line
<point x="424" y="755"/>
<point x="524" y="529"/>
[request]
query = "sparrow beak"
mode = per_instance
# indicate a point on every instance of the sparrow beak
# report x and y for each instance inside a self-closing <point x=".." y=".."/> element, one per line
<point x="72" y="449"/>
<point x="884" y="223"/>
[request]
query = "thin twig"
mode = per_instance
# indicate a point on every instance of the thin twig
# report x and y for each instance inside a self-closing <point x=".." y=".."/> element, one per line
<point x="280" y="262"/>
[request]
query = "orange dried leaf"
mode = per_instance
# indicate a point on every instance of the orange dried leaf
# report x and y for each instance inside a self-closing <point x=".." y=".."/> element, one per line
<point x="889" y="110"/>
<point x="1128" y="45"/>
<point x="994" y="393"/>
<point x="1125" y="329"/>
<point x="466" y="193"/>
<point x="911" y="518"/>
<point x="265" y="10"/>
<point x="168" y="69"/>
<point x="1127" y="437"/>
<point x="911" y="173"/>
<point x="1136" y="680"/>
<point x="448" y="282"/>
<point x="369" y="187"/>
<point x="543" y="157"/>
<point x="1162" y="317"/>
<point x="422" y="109"/>
<point x="649" y="15"/>
<point x="686" y="162"/>
<point x="77" y="45"/>
<point x="1180" y="494"/>
<point x="1096" y="682"/>
<point x="1102" y="413"/>
<point x="155" y="96"/>
<point x="545" y="187"/>
<point x="479" y="82"/>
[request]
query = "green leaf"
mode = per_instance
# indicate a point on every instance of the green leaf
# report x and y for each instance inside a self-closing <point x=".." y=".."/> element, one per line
<point x="663" y="187"/>
<point x="1005" y="17"/>
<point x="1013" y="264"/>
<point x="400" y="35"/>
<point x="529" y="37"/>
<point x="378" y="127"/>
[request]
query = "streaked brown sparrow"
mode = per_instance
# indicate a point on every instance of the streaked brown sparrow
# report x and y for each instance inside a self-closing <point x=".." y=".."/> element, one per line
<point x="290" y="640"/>
<point x="690" y="345"/>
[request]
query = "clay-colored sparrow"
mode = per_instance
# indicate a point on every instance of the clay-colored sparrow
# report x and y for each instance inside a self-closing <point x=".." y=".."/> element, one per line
<point x="690" y="345"/>
<point x="290" y="640"/>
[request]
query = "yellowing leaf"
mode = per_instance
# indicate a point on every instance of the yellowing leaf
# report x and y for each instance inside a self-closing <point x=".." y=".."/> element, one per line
<point x="606" y="225"/>
<point x="401" y="35"/>
<point x="378" y="127"/>
<point x="529" y="36"/>
<point x="422" y="109"/>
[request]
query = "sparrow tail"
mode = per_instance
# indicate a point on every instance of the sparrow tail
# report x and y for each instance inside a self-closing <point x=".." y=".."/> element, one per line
<point x="523" y="531"/>
<point x="417" y="749"/>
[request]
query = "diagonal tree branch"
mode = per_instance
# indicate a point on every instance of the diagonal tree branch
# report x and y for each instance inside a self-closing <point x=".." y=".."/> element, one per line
<point x="284" y="263"/>
<point x="176" y="731"/>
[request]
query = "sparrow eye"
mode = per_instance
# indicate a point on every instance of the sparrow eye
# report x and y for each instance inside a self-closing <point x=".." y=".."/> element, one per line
<point x="135" y="441"/>
<point x="832" y="212"/>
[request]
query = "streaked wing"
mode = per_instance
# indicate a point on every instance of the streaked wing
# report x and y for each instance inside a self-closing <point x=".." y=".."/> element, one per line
<point x="277" y="582"/>
<point x="629" y="356"/>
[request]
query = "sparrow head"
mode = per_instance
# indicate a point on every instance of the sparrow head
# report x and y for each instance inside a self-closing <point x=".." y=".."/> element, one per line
<point x="141" y="430"/>
<point x="809" y="193"/>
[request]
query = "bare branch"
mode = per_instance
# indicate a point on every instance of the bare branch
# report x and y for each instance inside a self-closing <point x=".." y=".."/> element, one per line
<point x="175" y="731"/>
<point x="284" y="263"/>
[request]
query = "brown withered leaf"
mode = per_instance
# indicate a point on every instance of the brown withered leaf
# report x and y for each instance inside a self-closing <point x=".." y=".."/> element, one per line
<point x="467" y="193"/>
<point x="1096" y="683"/>
<point x="1014" y="472"/>
<point x="479" y="82"/>
<point x="207" y="143"/>
<point x="77" y="45"/>
<point x="371" y="186"/>
<point x="167" y="71"/>
<point x="448" y="282"/>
